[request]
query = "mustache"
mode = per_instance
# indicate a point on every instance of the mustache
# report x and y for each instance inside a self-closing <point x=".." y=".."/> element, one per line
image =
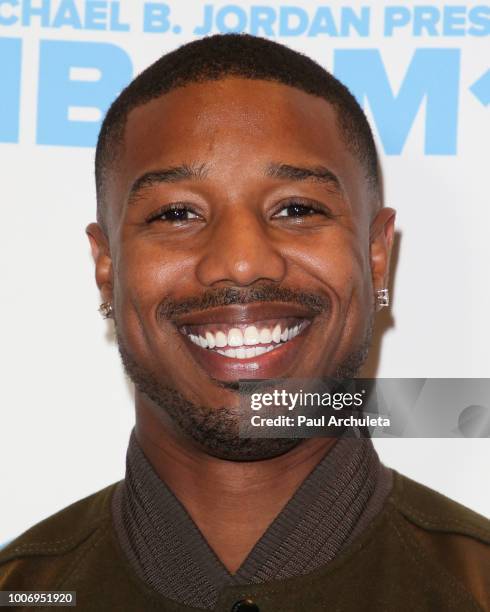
<point x="227" y="296"/>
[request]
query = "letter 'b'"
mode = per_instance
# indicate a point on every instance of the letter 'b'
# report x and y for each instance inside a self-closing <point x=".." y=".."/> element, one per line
<point x="57" y="92"/>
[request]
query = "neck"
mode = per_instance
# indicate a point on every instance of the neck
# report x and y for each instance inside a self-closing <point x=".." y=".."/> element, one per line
<point x="232" y="503"/>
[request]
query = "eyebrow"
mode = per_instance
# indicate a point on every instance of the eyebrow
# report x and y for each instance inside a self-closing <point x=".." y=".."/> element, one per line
<point x="173" y="174"/>
<point x="305" y="173"/>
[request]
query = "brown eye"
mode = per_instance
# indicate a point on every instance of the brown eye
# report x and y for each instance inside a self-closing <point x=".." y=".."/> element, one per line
<point x="296" y="210"/>
<point x="173" y="213"/>
<point x="178" y="214"/>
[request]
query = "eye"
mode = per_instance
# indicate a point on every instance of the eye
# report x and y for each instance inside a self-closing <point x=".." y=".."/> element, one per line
<point x="295" y="210"/>
<point x="302" y="209"/>
<point x="173" y="213"/>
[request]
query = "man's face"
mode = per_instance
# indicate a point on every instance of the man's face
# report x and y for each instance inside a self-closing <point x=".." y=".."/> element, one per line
<point x="240" y="228"/>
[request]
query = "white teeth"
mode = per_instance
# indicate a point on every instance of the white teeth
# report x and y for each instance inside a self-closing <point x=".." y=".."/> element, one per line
<point x="246" y="353"/>
<point x="235" y="337"/>
<point x="221" y="339"/>
<point x="244" y="344"/>
<point x="203" y="342"/>
<point x="210" y="339"/>
<point x="240" y="352"/>
<point x="251" y="335"/>
<point x="276" y="334"/>
<point x="265" y="336"/>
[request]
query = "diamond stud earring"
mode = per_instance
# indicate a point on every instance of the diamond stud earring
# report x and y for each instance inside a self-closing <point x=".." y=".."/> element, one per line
<point x="383" y="297"/>
<point x="105" y="310"/>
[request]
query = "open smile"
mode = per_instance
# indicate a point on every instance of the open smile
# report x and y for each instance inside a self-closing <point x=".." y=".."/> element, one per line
<point x="247" y="342"/>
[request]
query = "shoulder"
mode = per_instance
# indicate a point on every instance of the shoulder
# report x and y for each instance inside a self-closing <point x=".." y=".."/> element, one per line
<point x="41" y="553"/>
<point x="447" y="534"/>
<point x="436" y="512"/>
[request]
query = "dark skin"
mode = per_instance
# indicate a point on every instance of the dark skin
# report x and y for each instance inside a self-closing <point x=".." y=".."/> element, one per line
<point x="241" y="225"/>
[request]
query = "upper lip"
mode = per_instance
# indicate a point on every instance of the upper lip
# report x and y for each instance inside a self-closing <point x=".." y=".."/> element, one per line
<point x="245" y="314"/>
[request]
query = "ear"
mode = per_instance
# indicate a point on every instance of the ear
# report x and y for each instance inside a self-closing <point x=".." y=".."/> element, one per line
<point x="381" y="238"/>
<point x="99" y="246"/>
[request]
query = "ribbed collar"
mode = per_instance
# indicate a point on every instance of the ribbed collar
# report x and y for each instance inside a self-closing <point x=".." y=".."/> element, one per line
<point x="334" y="504"/>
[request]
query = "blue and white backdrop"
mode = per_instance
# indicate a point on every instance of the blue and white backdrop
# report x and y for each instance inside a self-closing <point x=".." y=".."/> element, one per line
<point x="421" y="71"/>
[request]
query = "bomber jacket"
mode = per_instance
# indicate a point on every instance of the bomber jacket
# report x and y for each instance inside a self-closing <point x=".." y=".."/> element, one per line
<point x="422" y="553"/>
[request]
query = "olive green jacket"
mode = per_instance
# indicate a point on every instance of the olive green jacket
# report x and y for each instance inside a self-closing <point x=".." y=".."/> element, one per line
<point x="422" y="553"/>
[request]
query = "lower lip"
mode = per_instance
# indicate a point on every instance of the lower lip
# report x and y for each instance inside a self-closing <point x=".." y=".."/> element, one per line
<point x="274" y="364"/>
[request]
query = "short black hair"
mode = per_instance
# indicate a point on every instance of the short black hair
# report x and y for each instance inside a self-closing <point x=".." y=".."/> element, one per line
<point x="235" y="55"/>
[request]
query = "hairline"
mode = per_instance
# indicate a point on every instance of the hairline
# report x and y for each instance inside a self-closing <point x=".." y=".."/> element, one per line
<point x="114" y="133"/>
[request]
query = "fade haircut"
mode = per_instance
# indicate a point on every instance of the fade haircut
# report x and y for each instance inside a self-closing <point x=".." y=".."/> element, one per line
<point x="234" y="55"/>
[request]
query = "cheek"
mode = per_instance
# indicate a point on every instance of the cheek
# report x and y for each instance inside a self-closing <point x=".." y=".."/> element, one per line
<point x="336" y="261"/>
<point x="144" y="274"/>
<point x="338" y="264"/>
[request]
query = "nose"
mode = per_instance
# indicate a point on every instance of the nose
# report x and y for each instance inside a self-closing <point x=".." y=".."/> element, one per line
<point x="240" y="252"/>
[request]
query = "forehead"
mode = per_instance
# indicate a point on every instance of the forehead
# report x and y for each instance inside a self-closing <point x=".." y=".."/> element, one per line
<point x="234" y="125"/>
<point x="227" y="111"/>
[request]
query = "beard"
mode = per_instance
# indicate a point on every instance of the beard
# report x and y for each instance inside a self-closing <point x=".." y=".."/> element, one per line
<point x="216" y="430"/>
